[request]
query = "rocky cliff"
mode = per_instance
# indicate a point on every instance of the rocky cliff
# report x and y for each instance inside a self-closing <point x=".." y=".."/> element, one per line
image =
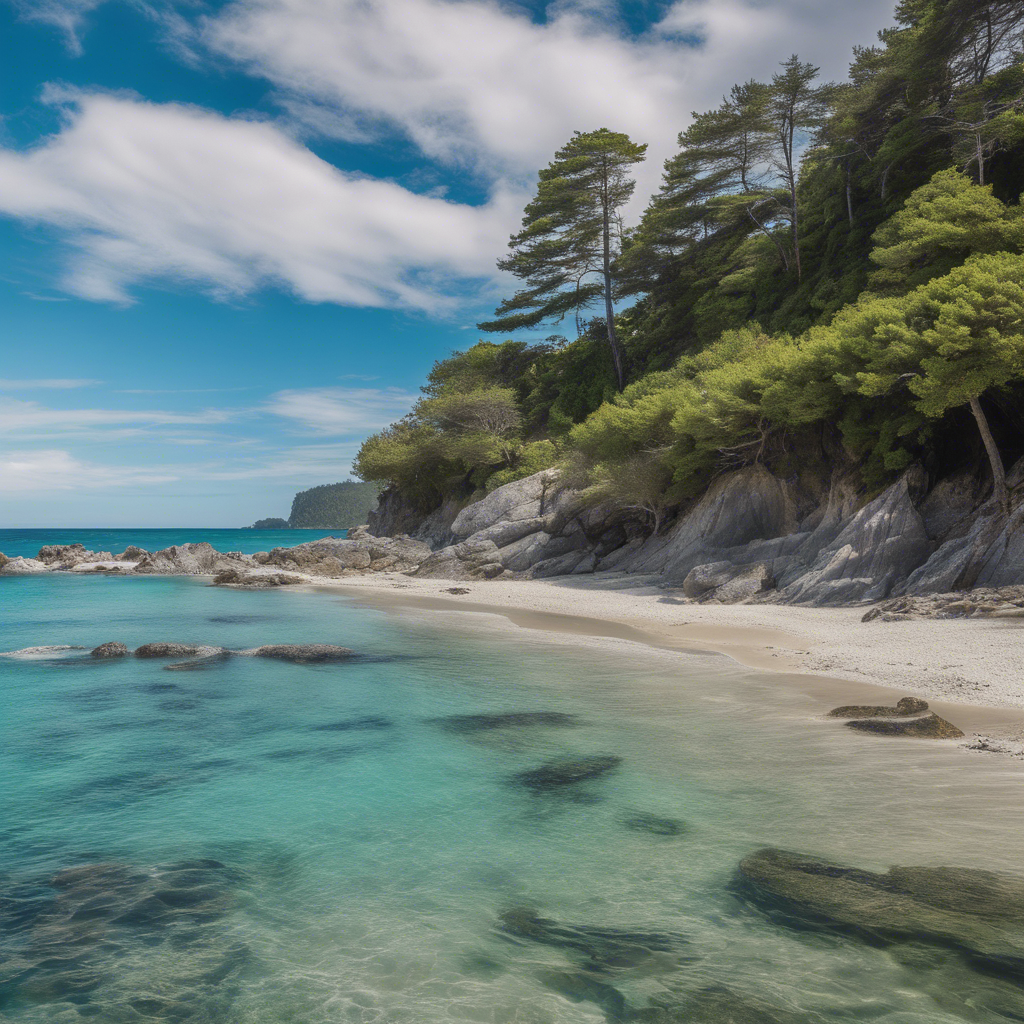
<point x="752" y="537"/>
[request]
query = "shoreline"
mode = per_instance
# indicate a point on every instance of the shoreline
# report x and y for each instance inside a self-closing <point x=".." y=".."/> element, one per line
<point x="971" y="671"/>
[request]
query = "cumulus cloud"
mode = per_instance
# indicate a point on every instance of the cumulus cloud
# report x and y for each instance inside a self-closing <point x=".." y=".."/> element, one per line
<point x="474" y="82"/>
<point x="341" y="411"/>
<point x="58" y="470"/>
<point x="149" y="192"/>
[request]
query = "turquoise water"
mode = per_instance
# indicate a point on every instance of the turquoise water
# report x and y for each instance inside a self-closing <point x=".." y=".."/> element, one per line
<point x="28" y="542"/>
<point x="353" y="857"/>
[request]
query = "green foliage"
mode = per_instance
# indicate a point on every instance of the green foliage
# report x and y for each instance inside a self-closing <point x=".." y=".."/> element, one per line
<point x="939" y="226"/>
<point x="270" y="524"/>
<point x="823" y="265"/>
<point x="333" y="506"/>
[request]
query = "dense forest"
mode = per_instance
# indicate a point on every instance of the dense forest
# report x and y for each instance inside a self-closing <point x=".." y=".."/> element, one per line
<point x="829" y="274"/>
<point x="327" y="507"/>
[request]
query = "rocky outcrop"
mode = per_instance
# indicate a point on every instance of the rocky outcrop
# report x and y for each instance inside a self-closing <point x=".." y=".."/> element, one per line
<point x="252" y="580"/>
<point x="471" y="559"/>
<point x="300" y="654"/>
<point x="200" y="559"/>
<point x="728" y="583"/>
<point x="113" y="649"/>
<point x="983" y="602"/>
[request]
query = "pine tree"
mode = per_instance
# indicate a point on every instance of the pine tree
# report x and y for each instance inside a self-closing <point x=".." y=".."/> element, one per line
<point x="571" y="236"/>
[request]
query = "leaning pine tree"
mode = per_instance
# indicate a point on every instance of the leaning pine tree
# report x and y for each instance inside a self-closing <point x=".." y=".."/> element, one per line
<point x="570" y="238"/>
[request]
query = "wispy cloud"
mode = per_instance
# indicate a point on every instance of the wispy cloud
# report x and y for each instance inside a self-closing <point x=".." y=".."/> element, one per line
<point x="43" y="383"/>
<point x="341" y="411"/>
<point x="58" y="470"/>
<point x="18" y="416"/>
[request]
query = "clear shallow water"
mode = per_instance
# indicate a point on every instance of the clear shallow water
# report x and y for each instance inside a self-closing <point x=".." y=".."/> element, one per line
<point x="28" y="542"/>
<point x="368" y="853"/>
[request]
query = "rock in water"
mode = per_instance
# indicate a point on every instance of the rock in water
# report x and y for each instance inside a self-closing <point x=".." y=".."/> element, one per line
<point x="568" y="772"/>
<point x="928" y="726"/>
<point x="580" y="987"/>
<point x="905" y="707"/>
<point x="300" y="653"/>
<point x="979" y="913"/>
<point x="113" y="649"/>
<point x="504" y="720"/>
<point x="654" y="824"/>
<point x="167" y="650"/>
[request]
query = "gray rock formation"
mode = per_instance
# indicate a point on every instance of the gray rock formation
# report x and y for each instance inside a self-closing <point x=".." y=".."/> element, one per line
<point x="925" y="727"/>
<point x="904" y="707"/>
<point x="302" y="654"/>
<point x="728" y="583"/>
<point x="191" y="560"/>
<point x="529" y="498"/>
<point x="113" y="649"/>
<point x="168" y="650"/>
<point x="471" y="559"/>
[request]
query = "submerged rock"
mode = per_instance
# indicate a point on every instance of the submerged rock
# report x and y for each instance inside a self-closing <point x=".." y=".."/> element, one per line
<point x="113" y="649"/>
<point x="928" y="726"/>
<point x="580" y="987"/>
<point x="567" y="772"/>
<point x="905" y="707"/>
<point x="978" y="913"/>
<point x="505" y="720"/>
<point x="300" y="653"/>
<point x="718" y="1005"/>
<point x="654" y="824"/>
<point x="604" y="949"/>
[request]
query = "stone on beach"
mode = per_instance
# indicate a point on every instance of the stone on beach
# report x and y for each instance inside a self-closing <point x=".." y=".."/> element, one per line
<point x="928" y="726"/>
<point x="905" y="707"/>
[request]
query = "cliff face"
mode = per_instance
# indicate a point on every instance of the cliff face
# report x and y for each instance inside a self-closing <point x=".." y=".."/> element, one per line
<point x="751" y="536"/>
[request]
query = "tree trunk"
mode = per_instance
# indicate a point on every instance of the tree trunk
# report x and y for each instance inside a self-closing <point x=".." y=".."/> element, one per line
<point x="609" y="313"/>
<point x="849" y="196"/>
<point x="999" y="491"/>
<point x="769" y="235"/>
<point x="981" y="160"/>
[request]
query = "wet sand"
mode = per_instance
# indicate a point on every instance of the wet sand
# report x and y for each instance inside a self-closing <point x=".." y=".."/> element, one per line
<point x="970" y="670"/>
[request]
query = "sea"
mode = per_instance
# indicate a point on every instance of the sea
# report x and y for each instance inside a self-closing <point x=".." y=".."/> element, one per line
<point x="266" y="842"/>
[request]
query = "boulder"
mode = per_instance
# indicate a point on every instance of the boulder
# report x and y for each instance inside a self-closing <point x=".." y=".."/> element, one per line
<point x="879" y="547"/>
<point x="200" y="559"/>
<point x="929" y="727"/>
<point x="19" y="566"/>
<point x="471" y="559"/>
<point x="167" y="650"/>
<point x="3" y="559"/>
<point x="979" y="913"/>
<point x="523" y="554"/>
<point x="982" y="602"/>
<point x="301" y="654"/>
<point x="905" y="707"/>
<point x="567" y="772"/>
<point x="113" y="649"/>
<point x="528" y="498"/>
<point x="507" y="532"/>
<point x="132" y="553"/>
<point x="728" y="583"/>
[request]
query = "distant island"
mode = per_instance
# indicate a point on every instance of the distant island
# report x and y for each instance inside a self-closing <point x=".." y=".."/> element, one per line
<point x="327" y="507"/>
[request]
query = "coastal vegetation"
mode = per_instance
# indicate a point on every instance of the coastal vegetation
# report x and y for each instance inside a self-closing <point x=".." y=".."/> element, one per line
<point x="327" y="507"/>
<point x="829" y="273"/>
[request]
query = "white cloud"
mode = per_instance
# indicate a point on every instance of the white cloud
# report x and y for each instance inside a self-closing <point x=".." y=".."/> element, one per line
<point x="66" y="15"/>
<point x="342" y="411"/>
<point x="149" y="192"/>
<point x="18" y="416"/>
<point x="474" y="82"/>
<point x="57" y="470"/>
<point x="48" y="383"/>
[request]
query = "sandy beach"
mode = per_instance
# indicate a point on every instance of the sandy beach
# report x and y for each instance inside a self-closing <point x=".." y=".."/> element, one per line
<point x="970" y="670"/>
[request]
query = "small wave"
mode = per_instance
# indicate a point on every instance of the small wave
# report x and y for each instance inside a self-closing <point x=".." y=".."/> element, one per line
<point x="54" y="650"/>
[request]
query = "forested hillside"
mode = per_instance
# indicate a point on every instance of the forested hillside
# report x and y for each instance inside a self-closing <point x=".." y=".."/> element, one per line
<point x="333" y="506"/>
<point x="829" y="273"/>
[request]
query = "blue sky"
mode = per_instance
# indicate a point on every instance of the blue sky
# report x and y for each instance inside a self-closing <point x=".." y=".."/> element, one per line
<point x="234" y="237"/>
